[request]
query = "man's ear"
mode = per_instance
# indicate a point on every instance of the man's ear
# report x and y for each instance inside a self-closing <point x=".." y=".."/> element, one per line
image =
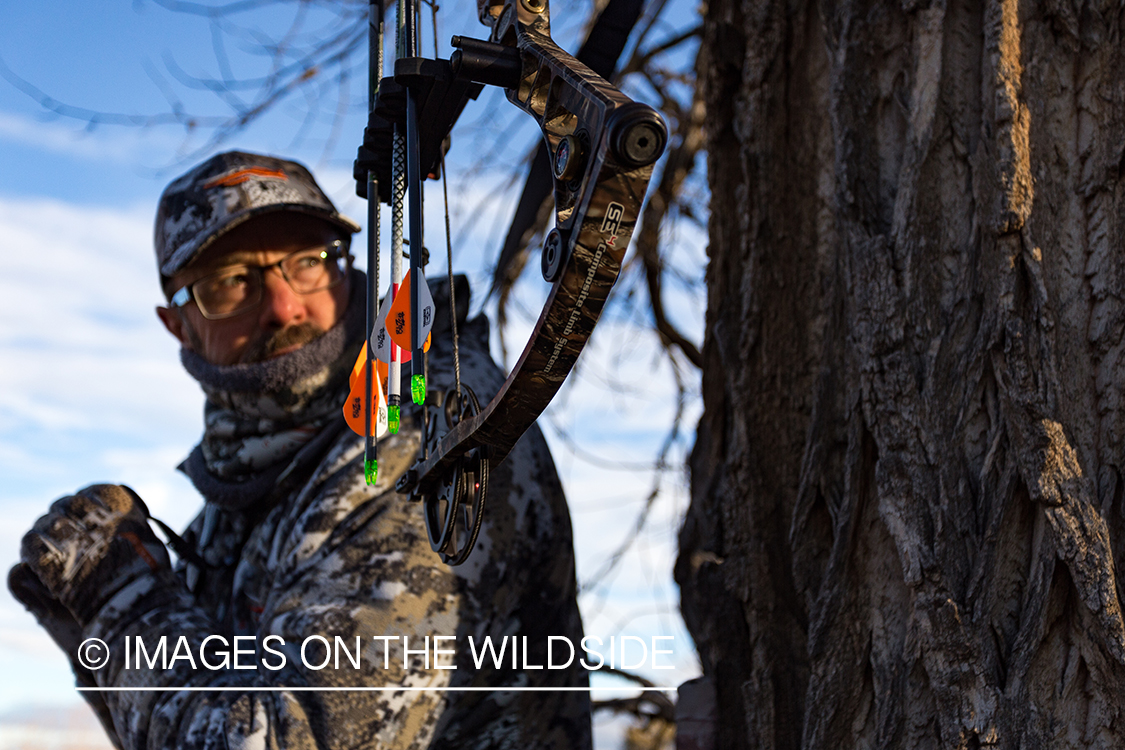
<point x="175" y="324"/>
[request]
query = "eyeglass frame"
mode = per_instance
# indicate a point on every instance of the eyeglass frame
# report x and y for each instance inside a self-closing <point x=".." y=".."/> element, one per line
<point x="186" y="294"/>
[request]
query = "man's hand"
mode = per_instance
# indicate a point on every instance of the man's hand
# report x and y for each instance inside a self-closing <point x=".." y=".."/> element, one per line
<point x="90" y="546"/>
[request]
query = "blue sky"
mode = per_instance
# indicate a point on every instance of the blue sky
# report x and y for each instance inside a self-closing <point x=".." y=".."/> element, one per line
<point x="90" y="385"/>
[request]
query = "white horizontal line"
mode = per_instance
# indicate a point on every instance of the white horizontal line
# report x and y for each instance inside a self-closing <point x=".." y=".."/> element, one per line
<point x="388" y="689"/>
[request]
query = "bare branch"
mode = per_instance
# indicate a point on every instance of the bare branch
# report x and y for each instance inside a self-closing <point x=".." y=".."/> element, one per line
<point x="214" y="11"/>
<point x="641" y="60"/>
<point x="680" y="162"/>
<point x="664" y="706"/>
<point x="95" y="117"/>
<point x="606" y="463"/>
<point x="642" y="518"/>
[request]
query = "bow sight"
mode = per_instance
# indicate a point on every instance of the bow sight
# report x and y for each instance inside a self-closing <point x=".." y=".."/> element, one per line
<point x="602" y="145"/>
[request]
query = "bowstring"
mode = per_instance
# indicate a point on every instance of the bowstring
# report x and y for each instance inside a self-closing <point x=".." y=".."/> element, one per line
<point x="434" y="7"/>
<point x="452" y="297"/>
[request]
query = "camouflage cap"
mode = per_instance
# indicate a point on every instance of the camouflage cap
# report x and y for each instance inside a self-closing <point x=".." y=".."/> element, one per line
<point x="225" y="191"/>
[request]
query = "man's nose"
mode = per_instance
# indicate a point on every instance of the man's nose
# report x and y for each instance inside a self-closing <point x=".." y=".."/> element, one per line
<point x="281" y="306"/>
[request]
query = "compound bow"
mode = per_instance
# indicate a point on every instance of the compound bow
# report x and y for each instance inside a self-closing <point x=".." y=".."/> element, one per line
<point x="602" y="145"/>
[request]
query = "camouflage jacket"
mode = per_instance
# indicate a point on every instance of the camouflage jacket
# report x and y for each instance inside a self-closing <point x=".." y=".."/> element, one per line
<point x="330" y="557"/>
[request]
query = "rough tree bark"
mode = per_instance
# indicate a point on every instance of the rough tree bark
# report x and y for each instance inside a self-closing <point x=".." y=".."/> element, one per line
<point x="908" y="502"/>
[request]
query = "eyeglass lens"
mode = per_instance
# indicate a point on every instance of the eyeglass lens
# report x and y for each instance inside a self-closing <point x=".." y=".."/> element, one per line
<point x="239" y="287"/>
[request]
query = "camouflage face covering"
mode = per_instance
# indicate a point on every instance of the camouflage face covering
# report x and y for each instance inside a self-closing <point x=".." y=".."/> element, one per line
<point x="259" y="416"/>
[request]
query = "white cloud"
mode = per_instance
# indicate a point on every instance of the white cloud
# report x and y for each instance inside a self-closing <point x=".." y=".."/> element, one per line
<point x="70" y="138"/>
<point x="59" y="726"/>
<point x="91" y="390"/>
<point x="76" y="314"/>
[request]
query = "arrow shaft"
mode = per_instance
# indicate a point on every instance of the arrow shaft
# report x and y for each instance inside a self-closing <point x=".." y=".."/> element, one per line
<point x="414" y="191"/>
<point x="404" y="45"/>
<point x="374" y="75"/>
<point x="398" y="199"/>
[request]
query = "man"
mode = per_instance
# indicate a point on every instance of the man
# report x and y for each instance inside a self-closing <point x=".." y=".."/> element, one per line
<point x="291" y="543"/>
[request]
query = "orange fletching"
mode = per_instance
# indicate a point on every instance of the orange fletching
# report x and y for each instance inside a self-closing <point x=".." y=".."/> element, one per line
<point x="361" y="363"/>
<point x="399" y="323"/>
<point x="353" y="406"/>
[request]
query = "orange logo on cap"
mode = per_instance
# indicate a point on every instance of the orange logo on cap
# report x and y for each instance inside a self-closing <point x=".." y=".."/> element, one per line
<point x="242" y="175"/>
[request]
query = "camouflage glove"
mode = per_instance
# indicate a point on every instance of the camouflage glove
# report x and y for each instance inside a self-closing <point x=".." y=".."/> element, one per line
<point x="49" y="611"/>
<point x="63" y="629"/>
<point x="86" y="549"/>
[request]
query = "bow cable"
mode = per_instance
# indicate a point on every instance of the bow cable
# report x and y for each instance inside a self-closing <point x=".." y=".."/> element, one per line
<point x="452" y="293"/>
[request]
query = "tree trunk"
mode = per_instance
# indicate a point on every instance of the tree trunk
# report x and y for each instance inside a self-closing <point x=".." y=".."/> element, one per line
<point x="907" y="488"/>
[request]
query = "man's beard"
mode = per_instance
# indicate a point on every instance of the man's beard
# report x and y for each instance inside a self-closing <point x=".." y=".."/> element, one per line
<point x="267" y="346"/>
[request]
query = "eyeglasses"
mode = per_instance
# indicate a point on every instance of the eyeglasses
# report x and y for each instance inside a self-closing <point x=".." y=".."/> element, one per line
<point x="237" y="289"/>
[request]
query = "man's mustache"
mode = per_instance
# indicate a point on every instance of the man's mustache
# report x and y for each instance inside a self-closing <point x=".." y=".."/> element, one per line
<point x="268" y="346"/>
